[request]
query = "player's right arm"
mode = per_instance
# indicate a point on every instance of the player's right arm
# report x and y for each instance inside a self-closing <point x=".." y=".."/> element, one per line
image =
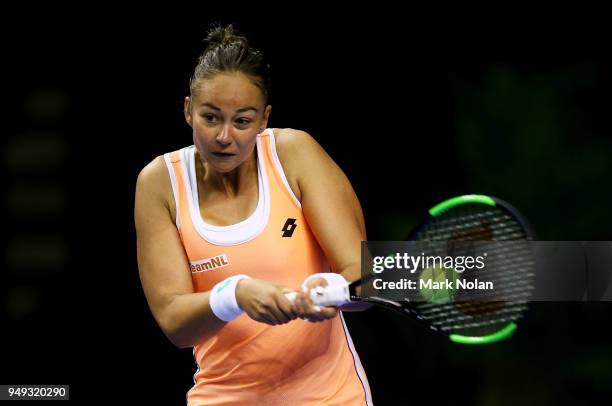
<point x="185" y="316"/>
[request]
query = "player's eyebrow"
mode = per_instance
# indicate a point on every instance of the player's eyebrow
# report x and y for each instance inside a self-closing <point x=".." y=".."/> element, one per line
<point x="242" y="110"/>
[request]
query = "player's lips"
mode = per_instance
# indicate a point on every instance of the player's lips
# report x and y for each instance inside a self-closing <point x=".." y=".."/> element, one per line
<point x="222" y="154"/>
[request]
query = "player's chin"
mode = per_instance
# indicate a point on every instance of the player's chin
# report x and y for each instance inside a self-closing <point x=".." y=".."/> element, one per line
<point x="223" y="167"/>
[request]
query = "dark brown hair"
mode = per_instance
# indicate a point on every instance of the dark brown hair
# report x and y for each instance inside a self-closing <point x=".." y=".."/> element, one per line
<point x="229" y="51"/>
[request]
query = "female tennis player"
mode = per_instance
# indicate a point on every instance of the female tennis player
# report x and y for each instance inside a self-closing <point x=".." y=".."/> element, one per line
<point x="228" y="225"/>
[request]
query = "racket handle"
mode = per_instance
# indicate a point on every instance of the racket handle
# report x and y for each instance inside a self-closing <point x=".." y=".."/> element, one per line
<point x="326" y="296"/>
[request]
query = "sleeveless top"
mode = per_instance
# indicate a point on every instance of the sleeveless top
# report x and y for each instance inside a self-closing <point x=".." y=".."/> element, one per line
<point x="248" y="362"/>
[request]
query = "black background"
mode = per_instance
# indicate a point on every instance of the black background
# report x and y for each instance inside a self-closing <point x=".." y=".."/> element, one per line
<point x="386" y="93"/>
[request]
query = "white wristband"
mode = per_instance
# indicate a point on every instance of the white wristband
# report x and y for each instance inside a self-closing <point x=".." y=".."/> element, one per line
<point x="222" y="298"/>
<point x="332" y="278"/>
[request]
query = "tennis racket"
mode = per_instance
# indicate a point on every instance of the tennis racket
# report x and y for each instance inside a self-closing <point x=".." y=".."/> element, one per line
<point x="451" y="229"/>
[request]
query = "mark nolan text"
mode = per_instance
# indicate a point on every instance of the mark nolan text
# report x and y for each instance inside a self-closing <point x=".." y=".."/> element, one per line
<point x="456" y="284"/>
<point x="407" y="284"/>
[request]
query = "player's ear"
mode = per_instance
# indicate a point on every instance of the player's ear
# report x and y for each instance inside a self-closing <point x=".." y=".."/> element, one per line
<point x="266" y="116"/>
<point x="187" y="111"/>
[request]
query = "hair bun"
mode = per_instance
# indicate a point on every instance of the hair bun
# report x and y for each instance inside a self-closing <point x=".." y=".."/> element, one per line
<point x="228" y="50"/>
<point x="225" y="36"/>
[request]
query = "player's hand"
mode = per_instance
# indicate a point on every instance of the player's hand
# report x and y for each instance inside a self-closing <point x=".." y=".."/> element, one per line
<point x="309" y="311"/>
<point x="265" y="301"/>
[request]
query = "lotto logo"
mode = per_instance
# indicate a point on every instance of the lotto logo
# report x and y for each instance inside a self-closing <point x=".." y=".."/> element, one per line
<point x="289" y="227"/>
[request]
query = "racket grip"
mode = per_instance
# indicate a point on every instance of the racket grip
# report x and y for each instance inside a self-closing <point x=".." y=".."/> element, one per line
<point x="326" y="296"/>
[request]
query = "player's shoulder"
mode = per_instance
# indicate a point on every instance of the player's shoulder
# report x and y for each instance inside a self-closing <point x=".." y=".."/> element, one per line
<point x="292" y="144"/>
<point x="292" y="148"/>
<point x="288" y="138"/>
<point x="152" y="172"/>
<point x="154" y="181"/>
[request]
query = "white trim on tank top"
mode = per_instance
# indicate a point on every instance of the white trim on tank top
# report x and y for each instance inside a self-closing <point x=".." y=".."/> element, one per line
<point x="357" y="362"/>
<point x="173" y="182"/>
<point x="279" y="168"/>
<point x="232" y="234"/>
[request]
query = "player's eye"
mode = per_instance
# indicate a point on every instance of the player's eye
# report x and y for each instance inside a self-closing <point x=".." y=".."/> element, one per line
<point x="243" y="121"/>
<point x="211" y="118"/>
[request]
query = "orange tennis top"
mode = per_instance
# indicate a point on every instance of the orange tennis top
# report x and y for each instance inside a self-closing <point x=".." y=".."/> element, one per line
<point x="247" y="362"/>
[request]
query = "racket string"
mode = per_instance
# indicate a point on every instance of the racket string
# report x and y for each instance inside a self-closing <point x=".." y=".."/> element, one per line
<point x="508" y="266"/>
